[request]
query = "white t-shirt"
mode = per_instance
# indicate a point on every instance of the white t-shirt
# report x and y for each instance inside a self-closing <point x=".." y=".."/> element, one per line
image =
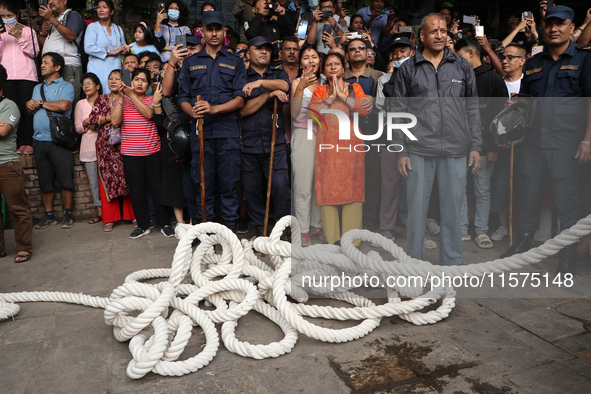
<point x="514" y="87"/>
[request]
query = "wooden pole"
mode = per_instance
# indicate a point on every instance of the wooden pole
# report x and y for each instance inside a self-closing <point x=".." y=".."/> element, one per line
<point x="202" y="167"/>
<point x="511" y="197"/>
<point x="265" y="228"/>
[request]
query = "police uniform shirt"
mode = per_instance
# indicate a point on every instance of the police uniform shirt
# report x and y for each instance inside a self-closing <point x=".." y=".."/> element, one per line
<point x="258" y="127"/>
<point x="561" y="122"/>
<point x="218" y="81"/>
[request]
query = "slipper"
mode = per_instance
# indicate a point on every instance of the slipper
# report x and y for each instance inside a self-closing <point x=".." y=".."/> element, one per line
<point x="22" y="256"/>
<point x="95" y="219"/>
<point x="481" y="239"/>
<point x="305" y="239"/>
<point x="2" y="255"/>
<point x="108" y="227"/>
<point x="318" y="235"/>
<point x="466" y="237"/>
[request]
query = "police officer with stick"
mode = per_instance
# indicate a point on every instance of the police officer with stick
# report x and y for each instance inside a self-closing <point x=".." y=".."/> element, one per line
<point x="218" y="76"/>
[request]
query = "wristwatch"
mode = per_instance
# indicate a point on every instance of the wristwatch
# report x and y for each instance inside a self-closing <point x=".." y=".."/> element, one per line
<point x="586" y="142"/>
<point x="41" y="102"/>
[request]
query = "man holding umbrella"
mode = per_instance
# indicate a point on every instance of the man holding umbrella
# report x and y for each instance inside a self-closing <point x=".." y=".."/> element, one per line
<point x="218" y="76"/>
<point x="265" y="87"/>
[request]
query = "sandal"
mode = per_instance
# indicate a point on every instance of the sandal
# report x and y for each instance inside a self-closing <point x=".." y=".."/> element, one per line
<point x="305" y="239"/>
<point x="481" y="239"/>
<point x="319" y="234"/>
<point x="2" y="255"/>
<point x="95" y="219"/>
<point x="22" y="256"/>
<point x="108" y="227"/>
<point x="466" y="237"/>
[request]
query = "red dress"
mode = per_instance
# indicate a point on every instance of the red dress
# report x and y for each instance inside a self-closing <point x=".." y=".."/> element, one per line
<point x="339" y="175"/>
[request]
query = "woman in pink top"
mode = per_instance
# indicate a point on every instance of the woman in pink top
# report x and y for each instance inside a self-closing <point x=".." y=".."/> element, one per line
<point x="18" y="47"/>
<point x="92" y="88"/>
<point x="140" y="149"/>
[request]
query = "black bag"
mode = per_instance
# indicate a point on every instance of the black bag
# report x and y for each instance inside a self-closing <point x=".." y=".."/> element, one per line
<point x="61" y="128"/>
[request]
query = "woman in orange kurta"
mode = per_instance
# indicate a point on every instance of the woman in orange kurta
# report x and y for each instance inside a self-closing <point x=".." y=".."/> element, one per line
<point x="339" y="174"/>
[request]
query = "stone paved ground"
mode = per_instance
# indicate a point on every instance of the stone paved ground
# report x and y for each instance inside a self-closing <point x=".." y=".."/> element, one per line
<point x="524" y="345"/>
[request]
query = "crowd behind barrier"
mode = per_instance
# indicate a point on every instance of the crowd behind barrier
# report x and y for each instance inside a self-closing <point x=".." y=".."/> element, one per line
<point x="184" y="123"/>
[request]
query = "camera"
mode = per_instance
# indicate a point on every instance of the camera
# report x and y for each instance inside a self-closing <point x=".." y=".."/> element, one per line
<point x="272" y="6"/>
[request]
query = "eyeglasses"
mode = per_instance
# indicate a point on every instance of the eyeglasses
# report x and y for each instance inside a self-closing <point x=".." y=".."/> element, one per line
<point x="326" y="7"/>
<point x="241" y="50"/>
<point x="88" y="84"/>
<point x="509" y="58"/>
<point x="371" y="53"/>
<point x="361" y="48"/>
<point x="512" y="19"/>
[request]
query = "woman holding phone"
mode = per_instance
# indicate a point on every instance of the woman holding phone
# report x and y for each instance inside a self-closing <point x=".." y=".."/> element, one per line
<point x="104" y="42"/>
<point x="18" y="46"/>
<point x="140" y="148"/>
<point x="170" y="22"/>
<point x="303" y="148"/>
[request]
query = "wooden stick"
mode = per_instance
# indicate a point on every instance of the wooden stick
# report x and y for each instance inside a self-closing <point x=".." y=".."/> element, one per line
<point x="202" y="167"/>
<point x="511" y="197"/>
<point x="265" y="228"/>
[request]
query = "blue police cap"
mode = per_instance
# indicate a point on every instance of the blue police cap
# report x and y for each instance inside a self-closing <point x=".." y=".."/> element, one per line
<point x="561" y="12"/>
<point x="192" y="40"/>
<point x="211" y="17"/>
<point x="401" y="41"/>
<point x="259" y="42"/>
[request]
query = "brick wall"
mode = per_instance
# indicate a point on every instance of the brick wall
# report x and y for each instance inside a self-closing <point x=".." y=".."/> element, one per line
<point x="83" y="204"/>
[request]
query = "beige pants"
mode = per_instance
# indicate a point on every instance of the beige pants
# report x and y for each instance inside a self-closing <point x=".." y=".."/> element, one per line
<point x="352" y="219"/>
<point x="303" y="153"/>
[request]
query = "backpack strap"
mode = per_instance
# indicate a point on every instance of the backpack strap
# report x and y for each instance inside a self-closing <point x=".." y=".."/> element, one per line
<point x="44" y="99"/>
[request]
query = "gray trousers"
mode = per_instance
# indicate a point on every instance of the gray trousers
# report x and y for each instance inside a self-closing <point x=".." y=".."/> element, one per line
<point x="92" y="174"/>
<point x="451" y="178"/>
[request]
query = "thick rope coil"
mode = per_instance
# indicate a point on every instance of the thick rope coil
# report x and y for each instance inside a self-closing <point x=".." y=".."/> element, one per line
<point x="235" y="281"/>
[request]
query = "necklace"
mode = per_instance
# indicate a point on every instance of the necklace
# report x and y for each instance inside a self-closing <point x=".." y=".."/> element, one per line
<point x="113" y="35"/>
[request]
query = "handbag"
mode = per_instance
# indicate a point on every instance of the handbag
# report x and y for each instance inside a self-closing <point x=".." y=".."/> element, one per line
<point x="113" y="135"/>
<point x="61" y="128"/>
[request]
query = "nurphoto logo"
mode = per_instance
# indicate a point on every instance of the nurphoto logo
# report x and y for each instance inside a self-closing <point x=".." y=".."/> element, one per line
<point x="393" y="120"/>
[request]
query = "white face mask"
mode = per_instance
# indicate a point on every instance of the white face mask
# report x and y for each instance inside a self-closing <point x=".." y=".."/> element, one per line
<point x="398" y="63"/>
<point x="9" y="21"/>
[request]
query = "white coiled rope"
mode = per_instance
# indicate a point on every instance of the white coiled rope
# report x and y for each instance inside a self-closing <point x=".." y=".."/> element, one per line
<point x="235" y="282"/>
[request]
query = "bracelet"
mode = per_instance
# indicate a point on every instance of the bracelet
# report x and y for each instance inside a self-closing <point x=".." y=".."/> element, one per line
<point x="43" y="35"/>
<point x="586" y="142"/>
<point x="154" y="105"/>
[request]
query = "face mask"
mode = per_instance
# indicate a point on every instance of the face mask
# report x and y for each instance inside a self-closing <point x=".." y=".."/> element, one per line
<point x="398" y="63"/>
<point x="312" y="3"/>
<point x="173" y="15"/>
<point x="10" y="21"/>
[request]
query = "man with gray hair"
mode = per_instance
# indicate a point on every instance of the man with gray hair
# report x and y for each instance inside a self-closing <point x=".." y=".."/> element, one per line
<point x="448" y="136"/>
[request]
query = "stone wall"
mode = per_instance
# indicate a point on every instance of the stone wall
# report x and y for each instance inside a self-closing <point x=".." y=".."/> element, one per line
<point x="83" y="204"/>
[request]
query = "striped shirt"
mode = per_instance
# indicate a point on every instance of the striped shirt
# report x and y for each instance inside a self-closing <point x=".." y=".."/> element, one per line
<point x="139" y="136"/>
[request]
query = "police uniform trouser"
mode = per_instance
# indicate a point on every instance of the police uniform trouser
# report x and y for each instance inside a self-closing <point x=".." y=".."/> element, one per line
<point x="254" y="176"/>
<point x="535" y="167"/>
<point x="222" y="163"/>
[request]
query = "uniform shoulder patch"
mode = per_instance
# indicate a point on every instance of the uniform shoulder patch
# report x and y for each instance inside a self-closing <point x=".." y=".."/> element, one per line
<point x="573" y="67"/>
<point x="227" y="66"/>
<point x="199" y="67"/>
<point x="533" y="71"/>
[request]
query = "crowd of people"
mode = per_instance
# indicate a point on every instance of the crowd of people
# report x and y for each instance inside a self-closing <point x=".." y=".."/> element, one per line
<point x="142" y="108"/>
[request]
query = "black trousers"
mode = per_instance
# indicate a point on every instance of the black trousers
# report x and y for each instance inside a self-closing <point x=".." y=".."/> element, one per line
<point x="20" y="92"/>
<point x="143" y="173"/>
<point x="254" y="175"/>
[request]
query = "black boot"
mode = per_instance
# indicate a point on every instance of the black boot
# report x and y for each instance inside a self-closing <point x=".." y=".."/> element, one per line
<point x="231" y="226"/>
<point x="522" y="243"/>
<point x="568" y="260"/>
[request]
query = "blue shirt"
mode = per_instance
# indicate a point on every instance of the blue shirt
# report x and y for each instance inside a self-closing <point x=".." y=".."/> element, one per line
<point x="136" y="49"/>
<point x="54" y="91"/>
<point x="377" y="25"/>
<point x="258" y="127"/>
<point x="561" y="120"/>
<point x="218" y="81"/>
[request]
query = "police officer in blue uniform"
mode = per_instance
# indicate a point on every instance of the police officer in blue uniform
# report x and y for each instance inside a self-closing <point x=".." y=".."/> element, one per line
<point x="560" y="140"/>
<point x="264" y="86"/>
<point x="218" y="76"/>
